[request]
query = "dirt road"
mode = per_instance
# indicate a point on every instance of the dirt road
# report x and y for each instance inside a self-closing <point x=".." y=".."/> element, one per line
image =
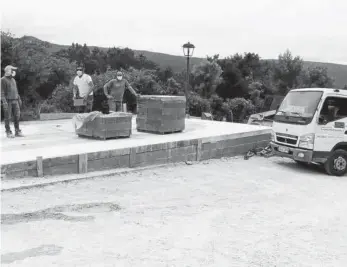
<point x="231" y="212"/>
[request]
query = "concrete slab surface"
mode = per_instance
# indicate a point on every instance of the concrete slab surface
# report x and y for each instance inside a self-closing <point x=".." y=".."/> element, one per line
<point x="57" y="138"/>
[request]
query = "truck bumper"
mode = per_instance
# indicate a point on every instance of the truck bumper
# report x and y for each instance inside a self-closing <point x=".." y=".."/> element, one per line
<point x="292" y="153"/>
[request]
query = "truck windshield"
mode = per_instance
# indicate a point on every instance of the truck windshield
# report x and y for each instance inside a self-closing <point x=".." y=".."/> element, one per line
<point x="298" y="107"/>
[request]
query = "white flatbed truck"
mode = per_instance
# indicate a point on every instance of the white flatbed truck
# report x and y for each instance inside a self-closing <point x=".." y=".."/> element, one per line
<point x="310" y="126"/>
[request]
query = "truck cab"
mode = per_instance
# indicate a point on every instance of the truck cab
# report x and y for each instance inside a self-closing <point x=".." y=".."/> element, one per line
<point x="310" y="126"/>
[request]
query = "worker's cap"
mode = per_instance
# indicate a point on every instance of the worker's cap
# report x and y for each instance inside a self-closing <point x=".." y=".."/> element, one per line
<point x="9" y="68"/>
<point x="119" y="73"/>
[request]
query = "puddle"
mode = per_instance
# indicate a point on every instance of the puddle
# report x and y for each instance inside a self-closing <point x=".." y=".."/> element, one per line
<point x="76" y="213"/>
<point x="44" y="250"/>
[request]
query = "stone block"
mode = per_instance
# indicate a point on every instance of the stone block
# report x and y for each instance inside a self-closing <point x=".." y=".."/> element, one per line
<point x="114" y="125"/>
<point x="20" y="166"/>
<point x="121" y="161"/>
<point x="61" y="169"/>
<point x="64" y="160"/>
<point x="161" y="114"/>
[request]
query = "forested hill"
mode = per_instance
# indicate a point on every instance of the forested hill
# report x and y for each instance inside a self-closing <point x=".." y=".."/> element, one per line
<point x="178" y="63"/>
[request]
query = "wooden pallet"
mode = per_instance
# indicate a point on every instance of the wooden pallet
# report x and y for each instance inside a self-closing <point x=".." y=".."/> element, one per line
<point x="160" y="133"/>
<point x="101" y="138"/>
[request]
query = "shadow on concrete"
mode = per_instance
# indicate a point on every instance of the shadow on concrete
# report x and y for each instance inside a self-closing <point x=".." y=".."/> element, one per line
<point x="57" y="213"/>
<point x="303" y="168"/>
<point x="101" y="138"/>
<point x="44" y="250"/>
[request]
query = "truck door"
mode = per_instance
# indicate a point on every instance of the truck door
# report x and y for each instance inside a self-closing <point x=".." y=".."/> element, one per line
<point x="332" y="122"/>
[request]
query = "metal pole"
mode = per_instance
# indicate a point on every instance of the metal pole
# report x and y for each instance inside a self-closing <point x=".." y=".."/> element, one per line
<point x="187" y="86"/>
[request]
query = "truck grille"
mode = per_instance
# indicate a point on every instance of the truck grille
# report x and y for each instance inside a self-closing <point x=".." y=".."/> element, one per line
<point x="287" y="139"/>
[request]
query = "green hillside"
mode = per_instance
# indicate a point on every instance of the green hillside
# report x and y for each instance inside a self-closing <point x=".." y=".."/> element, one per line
<point x="178" y="63"/>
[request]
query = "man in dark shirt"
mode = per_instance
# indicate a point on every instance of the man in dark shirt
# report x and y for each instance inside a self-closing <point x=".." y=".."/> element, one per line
<point x="10" y="101"/>
<point x="114" y="91"/>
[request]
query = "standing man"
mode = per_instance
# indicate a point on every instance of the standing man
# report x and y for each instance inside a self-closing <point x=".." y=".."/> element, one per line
<point x="11" y="101"/>
<point x="114" y="91"/>
<point x="83" y="87"/>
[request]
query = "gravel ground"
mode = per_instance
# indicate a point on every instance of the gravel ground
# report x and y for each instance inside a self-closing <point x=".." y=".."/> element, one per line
<point x="229" y="212"/>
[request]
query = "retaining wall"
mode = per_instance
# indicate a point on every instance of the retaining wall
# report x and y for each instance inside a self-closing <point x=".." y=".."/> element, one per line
<point x="187" y="150"/>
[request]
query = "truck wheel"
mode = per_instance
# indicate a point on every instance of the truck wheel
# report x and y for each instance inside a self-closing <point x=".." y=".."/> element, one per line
<point x="337" y="163"/>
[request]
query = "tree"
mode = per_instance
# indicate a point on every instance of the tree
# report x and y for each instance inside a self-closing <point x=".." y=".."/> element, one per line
<point x="145" y="81"/>
<point x="317" y="77"/>
<point x="266" y="77"/>
<point x="287" y="71"/>
<point x="212" y="59"/>
<point x="233" y="84"/>
<point x="165" y="74"/>
<point x="39" y="72"/>
<point x="145" y="63"/>
<point x="6" y="49"/>
<point x="238" y="72"/>
<point x="173" y="87"/>
<point x="206" y="77"/>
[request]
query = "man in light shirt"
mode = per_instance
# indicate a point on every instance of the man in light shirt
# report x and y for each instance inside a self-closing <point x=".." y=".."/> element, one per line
<point x="83" y="88"/>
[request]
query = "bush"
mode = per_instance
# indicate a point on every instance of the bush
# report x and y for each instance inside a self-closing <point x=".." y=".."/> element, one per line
<point x="48" y="108"/>
<point x="29" y="115"/>
<point x="198" y="105"/>
<point x="241" y="108"/>
<point x="217" y="107"/>
<point x="60" y="101"/>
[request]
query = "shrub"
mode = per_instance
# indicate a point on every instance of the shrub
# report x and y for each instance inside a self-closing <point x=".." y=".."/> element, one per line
<point x="48" y="108"/>
<point x="197" y="105"/>
<point x="60" y="101"/>
<point x="217" y="107"/>
<point x="241" y="108"/>
<point x="29" y="114"/>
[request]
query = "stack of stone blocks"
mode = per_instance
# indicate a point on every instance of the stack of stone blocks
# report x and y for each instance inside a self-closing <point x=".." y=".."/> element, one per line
<point x="114" y="125"/>
<point x="161" y="114"/>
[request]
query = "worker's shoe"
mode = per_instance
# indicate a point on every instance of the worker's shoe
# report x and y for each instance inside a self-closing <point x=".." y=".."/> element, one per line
<point x="19" y="134"/>
<point x="9" y="135"/>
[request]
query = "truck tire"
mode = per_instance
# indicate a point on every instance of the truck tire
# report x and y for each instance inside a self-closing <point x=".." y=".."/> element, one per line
<point x="336" y="164"/>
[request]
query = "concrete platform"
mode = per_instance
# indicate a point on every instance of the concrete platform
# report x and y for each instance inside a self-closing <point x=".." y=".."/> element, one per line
<point x="63" y="152"/>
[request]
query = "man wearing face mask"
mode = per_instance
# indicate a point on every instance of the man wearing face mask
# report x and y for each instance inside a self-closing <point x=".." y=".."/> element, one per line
<point x="11" y="101"/>
<point x="83" y="87"/>
<point x="114" y="91"/>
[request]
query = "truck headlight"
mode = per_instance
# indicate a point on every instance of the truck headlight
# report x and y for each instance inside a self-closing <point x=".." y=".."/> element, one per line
<point x="306" y="141"/>
<point x="273" y="136"/>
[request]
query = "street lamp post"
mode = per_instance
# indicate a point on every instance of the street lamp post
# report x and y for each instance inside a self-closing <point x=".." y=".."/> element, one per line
<point x="188" y="50"/>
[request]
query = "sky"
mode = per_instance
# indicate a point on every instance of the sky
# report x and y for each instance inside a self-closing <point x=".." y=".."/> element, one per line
<point x="316" y="30"/>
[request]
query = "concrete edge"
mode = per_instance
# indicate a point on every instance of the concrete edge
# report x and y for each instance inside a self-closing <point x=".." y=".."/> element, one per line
<point x="104" y="174"/>
<point x="208" y="139"/>
<point x="190" y="149"/>
<point x="56" y="116"/>
<point x="87" y="176"/>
